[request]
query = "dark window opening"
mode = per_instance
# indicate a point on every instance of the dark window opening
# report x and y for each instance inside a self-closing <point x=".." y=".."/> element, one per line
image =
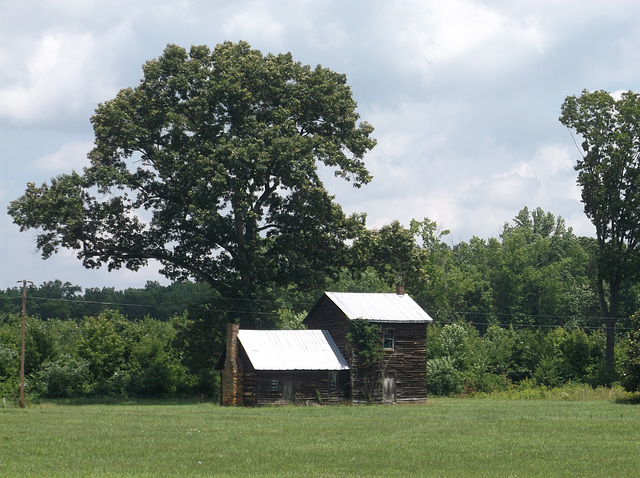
<point x="389" y="340"/>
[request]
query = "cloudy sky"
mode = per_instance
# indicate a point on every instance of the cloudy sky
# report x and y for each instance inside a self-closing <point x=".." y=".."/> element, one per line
<point x="464" y="95"/>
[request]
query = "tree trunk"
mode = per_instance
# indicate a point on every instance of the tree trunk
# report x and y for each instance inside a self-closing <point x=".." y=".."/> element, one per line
<point x="610" y="312"/>
<point x="244" y="298"/>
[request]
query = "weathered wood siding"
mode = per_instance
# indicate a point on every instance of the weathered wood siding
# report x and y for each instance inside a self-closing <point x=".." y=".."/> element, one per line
<point x="308" y="385"/>
<point x="246" y="386"/>
<point x="256" y="385"/>
<point x="250" y="383"/>
<point x="326" y="315"/>
<point x="407" y="362"/>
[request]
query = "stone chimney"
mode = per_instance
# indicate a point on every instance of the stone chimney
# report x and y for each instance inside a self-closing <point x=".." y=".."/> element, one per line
<point x="230" y="370"/>
<point x="400" y="289"/>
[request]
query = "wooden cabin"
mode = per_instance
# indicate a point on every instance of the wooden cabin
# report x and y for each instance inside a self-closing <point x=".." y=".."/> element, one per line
<point x="320" y="365"/>
<point x="400" y="376"/>
<point x="261" y="367"/>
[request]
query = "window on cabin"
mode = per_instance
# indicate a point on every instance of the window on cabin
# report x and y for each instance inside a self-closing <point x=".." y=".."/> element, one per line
<point x="389" y="339"/>
<point x="333" y="381"/>
<point x="274" y="385"/>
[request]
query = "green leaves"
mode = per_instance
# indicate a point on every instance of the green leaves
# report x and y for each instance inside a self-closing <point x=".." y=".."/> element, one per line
<point x="366" y="340"/>
<point x="609" y="174"/>
<point x="209" y="165"/>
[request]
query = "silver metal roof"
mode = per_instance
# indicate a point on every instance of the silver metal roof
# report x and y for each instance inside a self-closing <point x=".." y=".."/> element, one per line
<point x="379" y="307"/>
<point x="291" y="350"/>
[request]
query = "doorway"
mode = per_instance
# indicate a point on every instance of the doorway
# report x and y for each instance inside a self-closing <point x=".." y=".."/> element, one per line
<point x="288" y="389"/>
<point x="389" y="388"/>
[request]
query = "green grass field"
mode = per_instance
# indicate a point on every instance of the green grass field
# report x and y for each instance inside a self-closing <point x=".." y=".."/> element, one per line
<point x="444" y="437"/>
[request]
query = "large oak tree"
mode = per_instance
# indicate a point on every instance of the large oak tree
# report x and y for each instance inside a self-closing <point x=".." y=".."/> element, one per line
<point x="210" y="166"/>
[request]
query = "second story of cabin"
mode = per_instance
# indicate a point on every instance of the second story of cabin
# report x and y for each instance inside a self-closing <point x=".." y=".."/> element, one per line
<point x="402" y="321"/>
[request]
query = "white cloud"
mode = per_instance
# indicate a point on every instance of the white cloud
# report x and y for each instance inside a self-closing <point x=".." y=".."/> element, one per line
<point x="548" y="161"/>
<point x="254" y="22"/>
<point x="547" y="180"/>
<point x="469" y="34"/>
<point x="71" y="156"/>
<point x="57" y="76"/>
<point x="552" y="168"/>
<point x="479" y="204"/>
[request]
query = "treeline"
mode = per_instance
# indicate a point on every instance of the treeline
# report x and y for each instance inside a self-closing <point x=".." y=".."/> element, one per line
<point x="110" y="355"/>
<point x="516" y="310"/>
<point x="63" y="300"/>
<point x="537" y="272"/>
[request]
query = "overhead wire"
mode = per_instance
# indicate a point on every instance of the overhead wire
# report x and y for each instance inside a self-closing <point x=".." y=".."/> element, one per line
<point x="561" y="319"/>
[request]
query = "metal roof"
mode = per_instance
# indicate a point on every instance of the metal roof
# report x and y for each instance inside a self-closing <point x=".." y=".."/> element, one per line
<point x="379" y="307"/>
<point x="291" y="350"/>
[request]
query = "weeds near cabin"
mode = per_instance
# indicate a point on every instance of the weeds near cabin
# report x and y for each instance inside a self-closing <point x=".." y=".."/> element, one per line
<point x="366" y="341"/>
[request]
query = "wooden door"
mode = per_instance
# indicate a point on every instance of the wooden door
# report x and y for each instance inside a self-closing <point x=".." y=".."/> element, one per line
<point x="388" y="388"/>
<point x="288" y="389"/>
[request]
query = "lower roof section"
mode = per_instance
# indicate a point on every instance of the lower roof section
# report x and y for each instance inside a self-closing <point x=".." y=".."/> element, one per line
<point x="291" y="350"/>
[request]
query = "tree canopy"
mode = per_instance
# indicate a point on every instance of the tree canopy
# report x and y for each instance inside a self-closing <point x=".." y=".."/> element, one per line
<point x="211" y="166"/>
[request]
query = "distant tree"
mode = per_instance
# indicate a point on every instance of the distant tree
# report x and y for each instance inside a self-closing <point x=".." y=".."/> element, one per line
<point x="103" y="342"/>
<point x="11" y="300"/>
<point x="55" y="299"/>
<point x="210" y="166"/>
<point x="443" y="283"/>
<point x="363" y="280"/>
<point x="542" y="271"/>
<point x="477" y="261"/>
<point x="399" y="255"/>
<point x="391" y="250"/>
<point x="609" y="175"/>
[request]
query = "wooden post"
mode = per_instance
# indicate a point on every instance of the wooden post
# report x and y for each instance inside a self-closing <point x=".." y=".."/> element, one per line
<point x="24" y="309"/>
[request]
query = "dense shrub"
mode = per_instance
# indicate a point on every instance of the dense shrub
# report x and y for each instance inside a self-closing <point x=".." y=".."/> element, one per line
<point x="451" y="358"/>
<point x="631" y="370"/>
<point x="443" y="378"/>
<point x="103" y="355"/>
<point x="65" y="377"/>
<point x="460" y="361"/>
<point x="579" y="356"/>
<point x="9" y="370"/>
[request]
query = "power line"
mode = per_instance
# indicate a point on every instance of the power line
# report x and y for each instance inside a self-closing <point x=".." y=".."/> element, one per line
<point x="524" y="315"/>
<point x="292" y="304"/>
<point x="534" y="326"/>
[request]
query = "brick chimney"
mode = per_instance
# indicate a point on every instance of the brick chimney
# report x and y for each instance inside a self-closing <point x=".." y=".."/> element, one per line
<point x="399" y="289"/>
<point x="230" y="370"/>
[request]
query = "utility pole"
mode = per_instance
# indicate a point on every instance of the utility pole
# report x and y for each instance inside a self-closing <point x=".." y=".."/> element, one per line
<point x="24" y="310"/>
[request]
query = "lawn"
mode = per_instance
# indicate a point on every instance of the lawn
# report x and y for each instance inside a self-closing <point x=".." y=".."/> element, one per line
<point x="444" y="437"/>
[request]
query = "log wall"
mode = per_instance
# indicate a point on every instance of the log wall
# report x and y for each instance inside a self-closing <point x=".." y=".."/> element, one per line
<point x="407" y="362"/>
<point x="308" y="386"/>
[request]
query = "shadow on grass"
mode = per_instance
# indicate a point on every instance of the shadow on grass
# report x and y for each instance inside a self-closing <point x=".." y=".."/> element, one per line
<point x="125" y="401"/>
<point x="630" y="399"/>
